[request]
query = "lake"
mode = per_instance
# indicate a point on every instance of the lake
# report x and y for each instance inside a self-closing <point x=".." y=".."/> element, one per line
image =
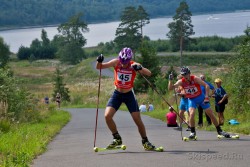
<point x="222" y="24"/>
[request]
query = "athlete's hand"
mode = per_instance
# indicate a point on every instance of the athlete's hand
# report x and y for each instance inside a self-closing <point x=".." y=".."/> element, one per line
<point x="206" y="100"/>
<point x="100" y="58"/>
<point x="171" y="77"/>
<point x="137" y="67"/>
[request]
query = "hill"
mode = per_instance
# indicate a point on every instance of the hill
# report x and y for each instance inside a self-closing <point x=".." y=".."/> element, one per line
<point x="23" y="13"/>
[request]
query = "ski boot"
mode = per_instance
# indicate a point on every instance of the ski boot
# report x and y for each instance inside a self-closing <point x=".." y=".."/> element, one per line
<point x="148" y="146"/>
<point x="225" y="134"/>
<point x="115" y="143"/>
<point x="192" y="136"/>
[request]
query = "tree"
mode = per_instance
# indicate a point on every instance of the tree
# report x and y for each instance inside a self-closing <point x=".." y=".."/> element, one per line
<point x="38" y="49"/>
<point x="45" y="39"/>
<point x="71" y="53"/>
<point x="148" y="59"/>
<point x="15" y="101"/>
<point x="143" y="18"/>
<point x="181" y="28"/>
<point x="23" y="53"/>
<point x="239" y="76"/>
<point x="72" y="35"/>
<point x="59" y="86"/>
<point x="4" y="53"/>
<point x="129" y="31"/>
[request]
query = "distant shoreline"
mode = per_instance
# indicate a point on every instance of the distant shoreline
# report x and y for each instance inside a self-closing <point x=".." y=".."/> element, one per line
<point x="26" y="27"/>
<point x="54" y="25"/>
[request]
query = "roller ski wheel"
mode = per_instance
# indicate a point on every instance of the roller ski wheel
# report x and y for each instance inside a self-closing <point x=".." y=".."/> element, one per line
<point x="150" y="147"/>
<point x="192" y="136"/>
<point x="231" y="137"/>
<point x="186" y="139"/>
<point x="102" y="149"/>
<point x="159" y="149"/>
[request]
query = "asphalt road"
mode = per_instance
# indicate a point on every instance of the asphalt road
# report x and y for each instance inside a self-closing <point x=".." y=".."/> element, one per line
<point x="73" y="146"/>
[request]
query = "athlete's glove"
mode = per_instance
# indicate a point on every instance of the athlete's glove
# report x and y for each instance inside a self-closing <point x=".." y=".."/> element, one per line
<point x="137" y="67"/>
<point x="100" y="58"/>
<point x="171" y="77"/>
<point x="206" y="100"/>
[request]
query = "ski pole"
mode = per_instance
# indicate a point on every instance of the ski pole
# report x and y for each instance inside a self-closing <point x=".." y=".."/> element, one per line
<point x="97" y="103"/>
<point x="162" y="97"/>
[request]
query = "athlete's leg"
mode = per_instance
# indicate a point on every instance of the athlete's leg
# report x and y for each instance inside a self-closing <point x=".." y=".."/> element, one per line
<point x="208" y="119"/>
<point x="181" y="113"/>
<point x="141" y="128"/>
<point x="109" y="114"/>
<point x="140" y="125"/>
<point x="215" y="122"/>
<point x="191" y="117"/>
<point x="211" y="115"/>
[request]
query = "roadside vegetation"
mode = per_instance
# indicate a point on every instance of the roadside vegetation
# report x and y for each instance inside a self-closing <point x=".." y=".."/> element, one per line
<point x="22" y="142"/>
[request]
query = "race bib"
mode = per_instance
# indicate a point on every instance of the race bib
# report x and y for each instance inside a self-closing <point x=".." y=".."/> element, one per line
<point x="191" y="90"/>
<point x="124" y="77"/>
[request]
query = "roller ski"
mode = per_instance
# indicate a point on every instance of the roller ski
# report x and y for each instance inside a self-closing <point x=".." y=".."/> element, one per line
<point x="150" y="147"/>
<point x="192" y="136"/>
<point x="116" y="144"/>
<point x="226" y="135"/>
<point x="102" y="149"/>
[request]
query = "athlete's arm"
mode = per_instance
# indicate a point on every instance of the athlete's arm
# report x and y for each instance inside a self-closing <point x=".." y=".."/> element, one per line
<point x="144" y="70"/>
<point x="111" y="63"/>
<point x="171" y="86"/>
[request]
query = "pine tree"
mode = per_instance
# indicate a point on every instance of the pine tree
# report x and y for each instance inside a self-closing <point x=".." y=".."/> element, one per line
<point x="181" y="28"/>
<point x="129" y="32"/>
<point x="4" y="53"/>
<point x="148" y="59"/>
<point x="59" y="86"/>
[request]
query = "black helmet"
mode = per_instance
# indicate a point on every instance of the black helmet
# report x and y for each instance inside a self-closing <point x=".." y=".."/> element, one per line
<point x="185" y="70"/>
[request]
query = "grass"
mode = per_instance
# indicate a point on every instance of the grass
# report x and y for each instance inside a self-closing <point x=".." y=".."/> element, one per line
<point x="24" y="142"/>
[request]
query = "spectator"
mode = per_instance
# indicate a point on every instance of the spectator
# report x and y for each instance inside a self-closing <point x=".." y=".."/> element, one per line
<point x="46" y="100"/>
<point x="143" y="107"/>
<point x="171" y="118"/>
<point x="58" y="100"/>
<point x="221" y="99"/>
<point x="150" y="107"/>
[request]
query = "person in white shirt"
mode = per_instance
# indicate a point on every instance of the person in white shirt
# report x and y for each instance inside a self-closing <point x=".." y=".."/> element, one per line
<point x="143" y="107"/>
<point x="150" y="107"/>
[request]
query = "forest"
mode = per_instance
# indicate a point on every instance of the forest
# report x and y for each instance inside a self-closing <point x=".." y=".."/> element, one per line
<point x="24" y="13"/>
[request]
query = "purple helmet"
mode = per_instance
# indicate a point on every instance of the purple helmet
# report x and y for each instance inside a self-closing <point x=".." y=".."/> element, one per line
<point x="125" y="55"/>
